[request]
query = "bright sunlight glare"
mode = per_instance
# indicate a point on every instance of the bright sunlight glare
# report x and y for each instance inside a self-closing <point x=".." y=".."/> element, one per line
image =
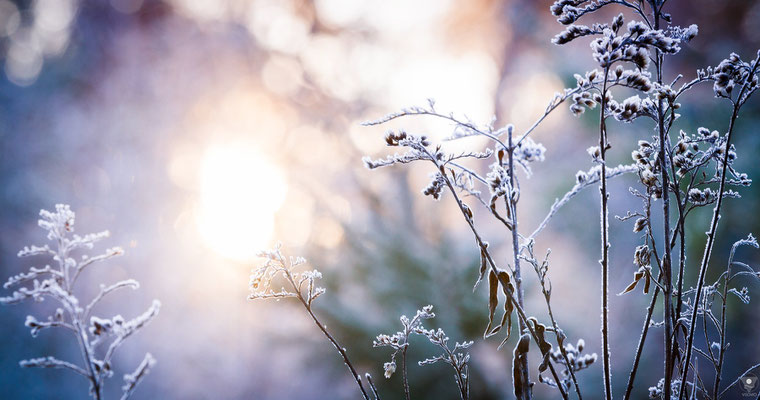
<point x="240" y="191"/>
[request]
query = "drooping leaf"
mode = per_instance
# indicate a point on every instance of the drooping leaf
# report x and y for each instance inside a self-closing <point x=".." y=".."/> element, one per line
<point x="647" y="282"/>
<point x="636" y="278"/>
<point x="493" y="301"/>
<point x="506" y="319"/>
<point x="520" y="351"/>
<point x="544" y="346"/>
<point x="483" y="265"/>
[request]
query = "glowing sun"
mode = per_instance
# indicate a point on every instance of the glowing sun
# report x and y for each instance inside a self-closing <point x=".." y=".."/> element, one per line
<point x="240" y="191"/>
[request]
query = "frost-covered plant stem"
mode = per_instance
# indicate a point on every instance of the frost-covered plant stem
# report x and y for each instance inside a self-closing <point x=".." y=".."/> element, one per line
<point x="640" y="346"/>
<point x="681" y="259"/>
<point x="372" y="386"/>
<point x="404" y="376"/>
<point x="560" y="343"/>
<point x="666" y="262"/>
<point x="278" y="266"/>
<point x="711" y="233"/>
<point x="727" y="277"/>
<point x="307" y="305"/>
<point x="78" y="324"/>
<point x="559" y="334"/>
<point x="511" y="203"/>
<point x="650" y="310"/>
<point x="560" y="202"/>
<point x="722" y="349"/>
<point x="61" y="255"/>
<point x="91" y="375"/>
<point x="604" y="215"/>
<point x="464" y="387"/>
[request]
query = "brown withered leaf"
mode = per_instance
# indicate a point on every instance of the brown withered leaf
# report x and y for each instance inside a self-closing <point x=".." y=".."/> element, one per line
<point x="543" y="345"/>
<point x="520" y="351"/>
<point x="636" y="278"/>
<point x="646" y="283"/>
<point x="506" y="319"/>
<point x="483" y="265"/>
<point x="540" y="330"/>
<point x="493" y="301"/>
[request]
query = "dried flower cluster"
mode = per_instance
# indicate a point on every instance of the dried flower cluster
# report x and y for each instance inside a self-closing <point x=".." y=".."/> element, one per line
<point x="98" y="338"/>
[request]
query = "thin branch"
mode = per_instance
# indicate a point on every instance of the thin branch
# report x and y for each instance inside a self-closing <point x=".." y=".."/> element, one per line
<point x="52" y="362"/>
<point x="131" y="380"/>
<point x="433" y="113"/>
<point x="738" y="379"/>
<point x="559" y="203"/>
<point x="605" y="242"/>
<point x="667" y="260"/>
<point x="640" y="346"/>
<point x="128" y="283"/>
<point x="553" y="104"/>
<point x="112" y="252"/>
<point x="372" y="386"/>
<point x="511" y="203"/>
<point x="404" y="377"/>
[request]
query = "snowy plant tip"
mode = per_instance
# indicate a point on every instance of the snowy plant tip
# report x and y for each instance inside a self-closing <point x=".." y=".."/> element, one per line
<point x="131" y="380"/>
<point x="293" y="283"/>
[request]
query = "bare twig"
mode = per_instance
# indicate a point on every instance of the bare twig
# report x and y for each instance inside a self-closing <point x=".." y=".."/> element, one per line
<point x="738" y="379"/>
<point x="667" y="260"/>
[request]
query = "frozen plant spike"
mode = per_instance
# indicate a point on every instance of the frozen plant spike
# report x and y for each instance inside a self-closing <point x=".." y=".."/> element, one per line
<point x="57" y="283"/>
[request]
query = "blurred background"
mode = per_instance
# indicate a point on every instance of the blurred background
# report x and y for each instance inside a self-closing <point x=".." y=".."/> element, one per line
<point x="199" y="131"/>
